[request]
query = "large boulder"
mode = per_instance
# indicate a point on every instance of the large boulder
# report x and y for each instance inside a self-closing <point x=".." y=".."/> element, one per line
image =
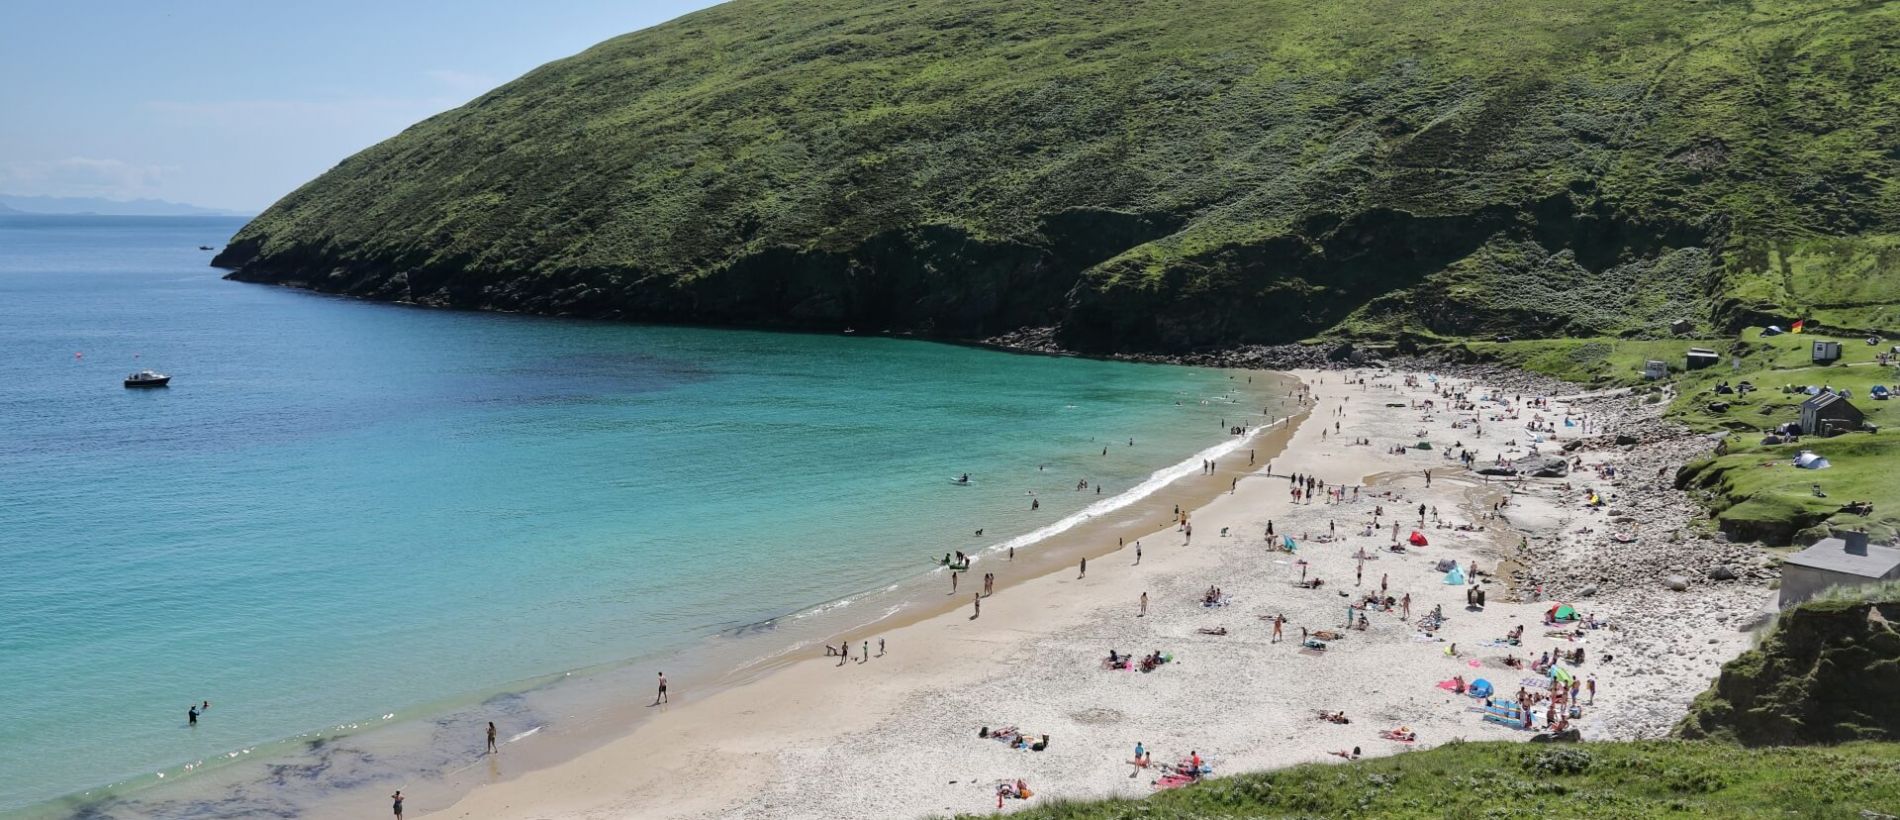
<point x="1543" y="466"/>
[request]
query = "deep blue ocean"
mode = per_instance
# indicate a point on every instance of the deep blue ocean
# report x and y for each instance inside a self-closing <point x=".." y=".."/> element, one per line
<point x="342" y="513"/>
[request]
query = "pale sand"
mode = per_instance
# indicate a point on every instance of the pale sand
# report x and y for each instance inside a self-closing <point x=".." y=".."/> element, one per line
<point x="896" y="736"/>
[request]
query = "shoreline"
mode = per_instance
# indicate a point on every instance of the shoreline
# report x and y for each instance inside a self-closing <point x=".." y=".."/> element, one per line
<point x="767" y="747"/>
<point x="726" y="659"/>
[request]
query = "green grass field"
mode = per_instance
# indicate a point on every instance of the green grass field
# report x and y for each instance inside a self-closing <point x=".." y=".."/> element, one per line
<point x="1753" y="491"/>
<point x="1514" y="780"/>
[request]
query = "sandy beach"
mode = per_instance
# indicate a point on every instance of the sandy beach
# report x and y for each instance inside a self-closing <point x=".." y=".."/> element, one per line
<point x="896" y="734"/>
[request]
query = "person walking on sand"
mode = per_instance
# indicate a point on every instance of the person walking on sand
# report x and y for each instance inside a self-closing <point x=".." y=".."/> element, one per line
<point x="660" y="697"/>
<point x="1382" y="580"/>
<point x="1405" y="605"/>
<point x="1279" y="622"/>
<point x="976" y="601"/>
<point x="1137" y="553"/>
<point x="397" y="800"/>
<point x="867" y="651"/>
<point x="1085" y="570"/>
<point x="1359" y="573"/>
<point x="491" y="737"/>
<point x="880" y="647"/>
<point x="953" y="581"/>
<point x="1144" y="606"/>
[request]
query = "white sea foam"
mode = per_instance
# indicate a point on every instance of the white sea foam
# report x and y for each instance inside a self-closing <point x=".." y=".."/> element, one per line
<point x="1149" y="486"/>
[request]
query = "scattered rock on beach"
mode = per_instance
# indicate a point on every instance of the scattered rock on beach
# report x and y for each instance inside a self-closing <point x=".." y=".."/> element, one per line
<point x="1721" y="572"/>
<point x="1677" y="583"/>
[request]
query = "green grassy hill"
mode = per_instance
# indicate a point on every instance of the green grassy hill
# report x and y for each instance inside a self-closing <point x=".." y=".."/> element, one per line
<point x="1517" y="780"/>
<point x="1153" y="175"/>
<point x="1821" y="676"/>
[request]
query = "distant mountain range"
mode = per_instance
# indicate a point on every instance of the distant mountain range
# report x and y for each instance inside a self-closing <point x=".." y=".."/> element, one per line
<point x="99" y="206"/>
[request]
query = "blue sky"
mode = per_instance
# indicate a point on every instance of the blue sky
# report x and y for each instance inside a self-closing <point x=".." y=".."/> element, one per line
<point x="233" y="104"/>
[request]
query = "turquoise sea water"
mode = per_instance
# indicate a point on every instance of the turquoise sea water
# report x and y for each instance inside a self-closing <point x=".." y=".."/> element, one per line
<point x="343" y="510"/>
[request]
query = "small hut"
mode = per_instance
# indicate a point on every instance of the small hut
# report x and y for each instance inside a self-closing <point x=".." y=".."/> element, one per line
<point x="1844" y="560"/>
<point x="1826" y="352"/>
<point x="1653" y="370"/>
<point x="1830" y="414"/>
<point x="1701" y="357"/>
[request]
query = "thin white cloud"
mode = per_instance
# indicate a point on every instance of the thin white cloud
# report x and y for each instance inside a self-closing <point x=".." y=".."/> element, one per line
<point x="82" y="176"/>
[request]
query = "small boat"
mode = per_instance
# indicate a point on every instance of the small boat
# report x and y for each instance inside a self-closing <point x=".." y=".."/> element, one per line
<point x="206" y="248"/>
<point x="147" y="378"/>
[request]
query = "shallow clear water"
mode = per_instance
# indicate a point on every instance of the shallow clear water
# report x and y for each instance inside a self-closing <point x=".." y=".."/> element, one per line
<point x="342" y="510"/>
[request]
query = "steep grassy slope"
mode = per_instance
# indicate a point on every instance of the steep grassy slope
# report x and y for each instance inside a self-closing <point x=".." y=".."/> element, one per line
<point x="1825" y="674"/>
<point x="1158" y="174"/>
<point x="1512" y="780"/>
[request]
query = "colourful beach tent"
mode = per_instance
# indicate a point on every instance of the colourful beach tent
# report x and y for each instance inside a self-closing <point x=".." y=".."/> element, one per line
<point x="1288" y="540"/>
<point x="1417" y="538"/>
<point x="1562" y="612"/>
<point x="1455" y="577"/>
<point x="1561" y="675"/>
<point x="1480" y="688"/>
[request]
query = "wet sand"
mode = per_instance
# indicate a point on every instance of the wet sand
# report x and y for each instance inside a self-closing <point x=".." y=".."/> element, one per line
<point x="896" y="735"/>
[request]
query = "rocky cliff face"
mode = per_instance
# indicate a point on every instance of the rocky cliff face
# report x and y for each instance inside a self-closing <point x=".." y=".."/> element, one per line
<point x="1157" y="176"/>
<point x="1825" y="674"/>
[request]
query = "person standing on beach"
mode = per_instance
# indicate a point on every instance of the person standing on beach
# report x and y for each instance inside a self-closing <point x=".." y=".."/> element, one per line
<point x="953" y="581"/>
<point x="397" y="799"/>
<point x="977" y="602"/>
<point x="1279" y="621"/>
<point x="1137" y="553"/>
<point x="661" y="696"/>
<point x="1188" y="530"/>
<point x="1382" y="579"/>
<point x="880" y="647"/>
<point x="1406" y="604"/>
<point x="491" y="737"/>
<point x="1359" y="573"/>
<point x="1012" y="553"/>
<point x="1428" y="478"/>
<point x="1144" y="606"/>
<point x="1085" y="570"/>
<point x="867" y="651"/>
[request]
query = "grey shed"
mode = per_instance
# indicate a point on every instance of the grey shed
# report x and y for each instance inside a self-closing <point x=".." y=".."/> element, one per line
<point x="1846" y="560"/>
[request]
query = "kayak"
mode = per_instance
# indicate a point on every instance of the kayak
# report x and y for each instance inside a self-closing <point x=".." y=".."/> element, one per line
<point x="961" y="483"/>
